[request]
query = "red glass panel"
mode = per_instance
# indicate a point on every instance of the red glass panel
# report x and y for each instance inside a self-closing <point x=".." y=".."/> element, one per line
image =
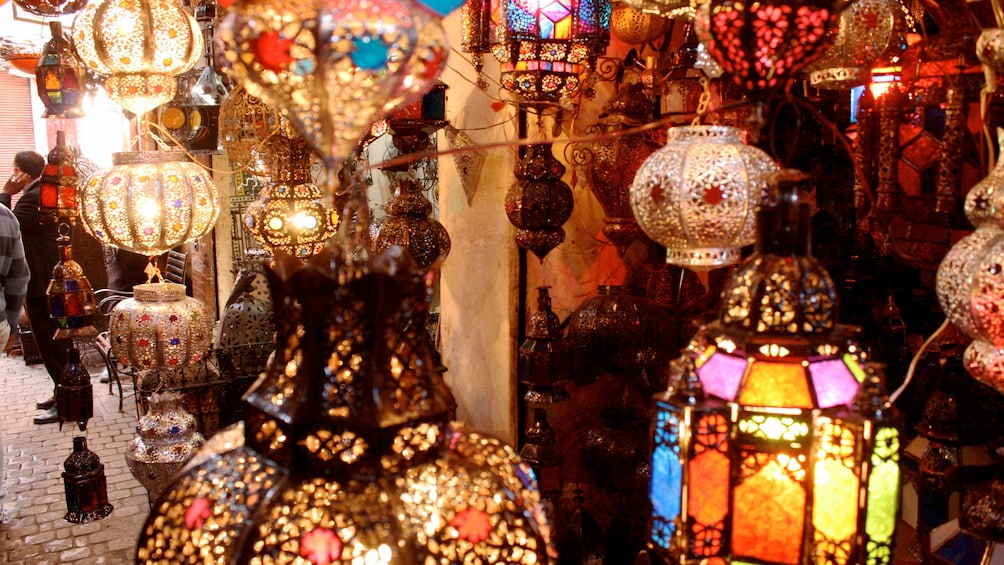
<point x="709" y="487"/>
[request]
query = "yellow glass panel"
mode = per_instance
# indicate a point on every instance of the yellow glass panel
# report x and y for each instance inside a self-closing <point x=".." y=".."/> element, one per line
<point x="835" y="509"/>
<point x="563" y="28"/>
<point x="172" y="118"/>
<point x="769" y="516"/>
<point x="776" y="385"/>
<point x="852" y="363"/>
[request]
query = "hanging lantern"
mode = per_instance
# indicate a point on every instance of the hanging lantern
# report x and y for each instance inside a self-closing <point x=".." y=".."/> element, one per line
<point x="408" y="224"/>
<point x="764" y="43"/>
<point x="771" y="450"/>
<point x="140" y="46"/>
<point x="160" y="327"/>
<point x="611" y="161"/>
<point x="546" y="49"/>
<point x="347" y="453"/>
<point x="189" y="122"/>
<point x="697" y="196"/>
<point x="149" y="202"/>
<point x="245" y="123"/>
<point x="539" y="202"/>
<point x="59" y="77"/>
<point x="289" y="213"/>
<point x="864" y="32"/>
<point x="246" y="324"/>
<point x="71" y="297"/>
<point x="619" y="331"/>
<point x="74" y="393"/>
<point x="544" y="356"/>
<point x="85" y="485"/>
<point x="57" y="197"/>
<point x="667" y="9"/>
<point x="166" y="438"/>
<point x="334" y="68"/>
<point x="635" y="26"/>
<point x="51" y="8"/>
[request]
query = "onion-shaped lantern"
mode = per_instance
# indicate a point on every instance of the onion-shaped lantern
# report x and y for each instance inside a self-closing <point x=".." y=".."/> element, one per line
<point x="539" y="202"/>
<point x="160" y="328"/>
<point x="166" y="437"/>
<point x="140" y="46"/>
<point x="245" y="123"/>
<point x="149" y="202"/>
<point x="697" y="196"/>
<point x="408" y="224"/>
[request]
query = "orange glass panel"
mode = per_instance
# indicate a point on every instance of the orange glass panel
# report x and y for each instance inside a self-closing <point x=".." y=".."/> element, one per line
<point x="776" y="385"/>
<point x="769" y="516"/>
<point x="709" y="487"/>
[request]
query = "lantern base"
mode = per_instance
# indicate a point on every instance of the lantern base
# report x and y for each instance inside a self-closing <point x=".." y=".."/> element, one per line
<point x="703" y="258"/>
<point x="839" y="78"/>
<point x="84" y="517"/>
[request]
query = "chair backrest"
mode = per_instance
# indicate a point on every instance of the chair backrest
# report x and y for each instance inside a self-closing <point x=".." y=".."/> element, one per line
<point x="177" y="267"/>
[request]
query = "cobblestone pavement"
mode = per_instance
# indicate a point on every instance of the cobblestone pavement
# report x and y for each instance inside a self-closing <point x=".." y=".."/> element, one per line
<point x="32" y="529"/>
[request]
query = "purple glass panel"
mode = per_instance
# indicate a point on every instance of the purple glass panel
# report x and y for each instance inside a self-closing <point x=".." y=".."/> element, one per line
<point x="833" y="381"/>
<point x="721" y="374"/>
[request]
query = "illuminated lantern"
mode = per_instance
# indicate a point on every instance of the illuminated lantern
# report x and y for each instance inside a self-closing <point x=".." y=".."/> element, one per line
<point x="70" y="296"/>
<point x="149" y="202"/>
<point x="866" y="27"/>
<point x="51" y="8"/>
<point x="59" y="77"/>
<point x="57" y="197"/>
<point x="140" y="46"/>
<point x="779" y="445"/>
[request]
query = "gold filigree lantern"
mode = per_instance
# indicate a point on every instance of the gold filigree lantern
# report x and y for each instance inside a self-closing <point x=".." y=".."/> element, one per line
<point x="865" y="30"/>
<point x="140" y="46"/>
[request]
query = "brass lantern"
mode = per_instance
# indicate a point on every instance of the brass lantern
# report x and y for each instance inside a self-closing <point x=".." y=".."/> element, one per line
<point x="59" y="77"/>
<point x="57" y="197"/>
<point x="865" y="30"/>
<point x="70" y="295"/>
<point x="149" y="202"/>
<point x="140" y="46"/>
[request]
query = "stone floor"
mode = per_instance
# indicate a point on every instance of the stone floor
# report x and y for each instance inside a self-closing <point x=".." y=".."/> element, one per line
<point x="32" y="528"/>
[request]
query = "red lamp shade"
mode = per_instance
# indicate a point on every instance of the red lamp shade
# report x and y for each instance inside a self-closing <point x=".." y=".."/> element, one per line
<point x="763" y="43"/>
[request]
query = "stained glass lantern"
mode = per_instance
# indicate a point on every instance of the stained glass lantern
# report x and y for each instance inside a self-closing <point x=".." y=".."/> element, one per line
<point x="863" y="34"/>
<point x="347" y="453"/>
<point x="85" y="485"/>
<point x="976" y="537"/>
<point x="698" y="195"/>
<point x="70" y="296"/>
<point x="289" y="213"/>
<point x="546" y="49"/>
<point x="51" y="8"/>
<point x="166" y="437"/>
<point x="149" y="202"/>
<point x="59" y="77"/>
<point x="333" y="68"/>
<point x="139" y="46"/>
<point x="57" y="197"/>
<point x="74" y="392"/>
<point x="776" y="444"/>
<point x="610" y="161"/>
<point x="160" y="328"/>
<point x="764" y="43"/>
<point x="539" y="202"/>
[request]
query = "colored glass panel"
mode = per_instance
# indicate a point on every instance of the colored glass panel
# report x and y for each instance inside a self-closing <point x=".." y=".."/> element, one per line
<point x="834" y="383"/>
<point x="962" y="548"/>
<point x="666" y="483"/>
<point x="883" y="487"/>
<point x="721" y="374"/>
<point x="775" y="428"/>
<point x="852" y="363"/>
<point x="776" y="385"/>
<point x="834" y="510"/>
<point x="769" y="514"/>
<point x="709" y="491"/>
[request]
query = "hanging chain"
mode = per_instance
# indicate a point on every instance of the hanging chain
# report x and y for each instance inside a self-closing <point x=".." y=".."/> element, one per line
<point x="703" y="101"/>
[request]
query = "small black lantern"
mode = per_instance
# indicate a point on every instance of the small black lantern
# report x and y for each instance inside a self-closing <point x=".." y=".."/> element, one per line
<point x="86" y="487"/>
<point x="74" y="393"/>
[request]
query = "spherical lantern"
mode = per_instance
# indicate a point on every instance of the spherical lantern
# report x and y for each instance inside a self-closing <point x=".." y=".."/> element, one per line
<point x="149" y="202"/>
<point x="697" y="195"/>
<point x="635" y="26"/>
<point x="59" y="77"/>
<point x="160" y="327"/>
<point x="334" y="67"/>
<point x="864" y="32"/>
<point x="140" y="46"/>
<point x="763" y="43"/>
<point x="291" y="217"/>
<point x="51" y="8"/>
<point x="347" y="453"/>
<point x="669" y="9"/>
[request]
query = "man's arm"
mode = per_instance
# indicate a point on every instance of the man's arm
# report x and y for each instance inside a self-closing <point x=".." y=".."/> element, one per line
<point x="13" y="268"/>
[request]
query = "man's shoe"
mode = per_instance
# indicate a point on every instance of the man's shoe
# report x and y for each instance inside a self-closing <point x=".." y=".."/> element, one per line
<point x="46" y="404"/>
<point x="48" y="418"/>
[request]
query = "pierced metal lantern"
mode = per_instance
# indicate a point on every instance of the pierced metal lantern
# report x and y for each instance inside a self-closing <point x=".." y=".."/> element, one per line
<point x="246" y="324"/>
<point x="669" y="9"/>
<point x="70" y="296"/>
<point x="59" y="77"/>
<point x="776" y="444"/>
<point x="85" y="485"/>
<point x="51" y="8"/>
<point x="697" y="196"/>
<point x="408" y="224"/>
<point x="149" y="202"/>
<point x="865" y="29"/>
<point x="539" y="202"/>
<point x="245" y="123"/>
<point x="764" y="43"/>
<point x="166" y="438"/>
<point x="544" y="358"/>
<point x="74" y="392"/>
<point x="546" y="49"/>
<point x="635" y="26"/>
<point x="140" y="46"/>
<point x="160" y="328"/>
<point x="347" y="453"/>
<point x="57" y="196"/>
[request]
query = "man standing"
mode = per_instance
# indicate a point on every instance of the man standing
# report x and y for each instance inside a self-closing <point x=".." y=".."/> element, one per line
<point x="42" y="255"/>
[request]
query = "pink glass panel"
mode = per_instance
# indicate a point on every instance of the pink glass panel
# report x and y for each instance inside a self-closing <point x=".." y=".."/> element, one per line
<point x="834" y="383"/>
<point x="721" y="373"/>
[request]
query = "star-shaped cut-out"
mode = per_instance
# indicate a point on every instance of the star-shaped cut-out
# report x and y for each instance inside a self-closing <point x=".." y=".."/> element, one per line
<point x="197" y="513"/>
<point x="321" y="546"/>
<point x="713" y="195"/>
<point x="472" y="525"/>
